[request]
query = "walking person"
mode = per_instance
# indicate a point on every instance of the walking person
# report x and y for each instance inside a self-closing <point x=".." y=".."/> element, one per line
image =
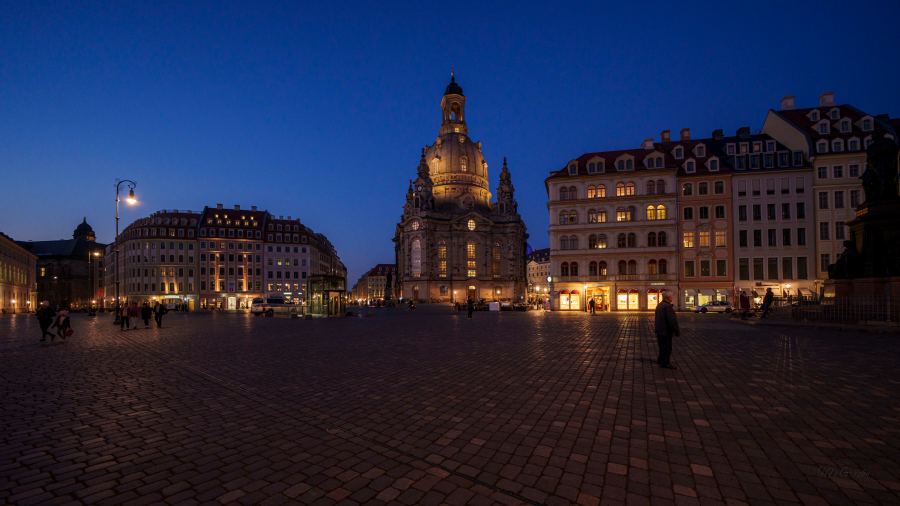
<point x="768" y="299"/>
<point x="45" y="318"/>
<point x="124" y="321"/>
<point x="158" y="311"/>
<point x="666" y="326"/>
<point x="470" y="307"/>
<point x="744" y="301"/>
<point x="146" y="313"/>
<point x="592" y="304"/>
<point x="62" y="323"/>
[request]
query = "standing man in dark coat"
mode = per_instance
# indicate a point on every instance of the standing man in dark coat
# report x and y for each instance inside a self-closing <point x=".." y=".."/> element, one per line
<point x="158" y="311"/>
<point x="470" y="307"/>
<point x="666" y="327"/>
<point x="592" y="305"/>
<point x="768" y="299"/>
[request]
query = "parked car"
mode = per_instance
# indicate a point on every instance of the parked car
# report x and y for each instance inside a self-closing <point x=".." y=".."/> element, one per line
<point x="716" y="306"/>
<point x="272" y="306"/>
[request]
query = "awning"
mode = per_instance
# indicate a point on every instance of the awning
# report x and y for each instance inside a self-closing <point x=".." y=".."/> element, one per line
<point x="574" y="292"/>
<point x="563" y="292"/>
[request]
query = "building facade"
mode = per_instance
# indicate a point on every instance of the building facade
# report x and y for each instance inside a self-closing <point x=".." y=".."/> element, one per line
<point x="158" y="260"/>
<point x="220" y="258"/>
<point x="70" y="271"/>
<point x="18" y="288"/>
<point x="376" y="285"/>
<point x="773" y="219"/>
<point x="613" y="229"/>
<point x="537" y="269"/>
<point x="705" y="217"/>
<point x="834" y="138"/>
<point x="453" y="242"/>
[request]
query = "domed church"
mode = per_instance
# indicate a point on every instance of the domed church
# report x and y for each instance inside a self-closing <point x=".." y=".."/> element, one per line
<point x="453" y="241"/>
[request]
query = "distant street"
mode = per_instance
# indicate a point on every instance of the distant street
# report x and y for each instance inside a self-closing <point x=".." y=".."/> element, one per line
<point x="428" y="407"/>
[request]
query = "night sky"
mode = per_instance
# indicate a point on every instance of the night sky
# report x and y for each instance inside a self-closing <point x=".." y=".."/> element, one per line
<point x="320" y="111"/>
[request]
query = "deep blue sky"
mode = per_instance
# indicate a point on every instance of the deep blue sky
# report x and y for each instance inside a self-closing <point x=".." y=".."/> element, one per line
<point x="320" y="111"/>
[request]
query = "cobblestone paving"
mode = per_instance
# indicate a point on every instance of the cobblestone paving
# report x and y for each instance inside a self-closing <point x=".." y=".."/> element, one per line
<point x="428" y="407"/>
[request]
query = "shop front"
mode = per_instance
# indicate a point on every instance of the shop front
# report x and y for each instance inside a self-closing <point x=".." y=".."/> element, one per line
<point x="570" y="300"/>
<point x="600" y="296"/>
<point x="628" y="299"/>
<point x="694" y="297"/>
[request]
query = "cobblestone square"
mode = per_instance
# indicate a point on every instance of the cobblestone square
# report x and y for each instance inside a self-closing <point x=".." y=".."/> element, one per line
<point x="429" y="407"/>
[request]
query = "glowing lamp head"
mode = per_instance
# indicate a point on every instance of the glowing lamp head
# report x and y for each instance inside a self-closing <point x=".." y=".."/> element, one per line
<point x="131" y="199"/>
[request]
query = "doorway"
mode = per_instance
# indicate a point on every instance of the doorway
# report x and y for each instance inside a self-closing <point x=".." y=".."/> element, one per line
<point x="471" y="293"/>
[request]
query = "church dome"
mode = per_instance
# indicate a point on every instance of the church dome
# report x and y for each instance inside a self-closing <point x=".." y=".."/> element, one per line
<point x="84" y="231"/>
<point x="456" y="164"/>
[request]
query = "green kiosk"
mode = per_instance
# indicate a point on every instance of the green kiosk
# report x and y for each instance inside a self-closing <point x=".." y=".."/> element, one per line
<point x="326" y="295"/>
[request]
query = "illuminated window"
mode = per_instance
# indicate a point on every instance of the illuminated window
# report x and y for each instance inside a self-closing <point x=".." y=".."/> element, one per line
<point x="651" y="212"/>
<point x="464" y="164"/>
<point x="688" y="240"/>
<point x="470" y="260"/>
<point x="660" y="212"/>
<point x="442" y="261"/>
<point x="601" y="191"/>
<point x="471" y="225"/>
<point x="720" y="238"/>
<point x="704" y="239"/>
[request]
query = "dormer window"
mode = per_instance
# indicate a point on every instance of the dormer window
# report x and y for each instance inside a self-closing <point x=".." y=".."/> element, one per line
<point x="834" y="113"/>
<point x="757" y="146"/>
<point x="620" y="165"/>
<point x="573" y="169"/>
<point x="592" y="168"/>
<point x="745" y="148"/>
<point x="729" y="149"/>
<point x="814" y="115"/>
<point x="700" y="150"/>
<point x="867" y="125"/>
<point x="845" y="126"/>
<point x="823" y="128"/>
<point x="678" y="153"/>
<point x="822" y="146"/>
<point x="837" y="145"/>
<point x="629" y="164"/>
<point x="770" y="146"/>
<point x="690" y="167"/>
<point x="713" y="164"/>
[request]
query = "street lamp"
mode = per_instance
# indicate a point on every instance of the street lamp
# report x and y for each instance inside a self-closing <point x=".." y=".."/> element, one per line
<point x="91" y="254"/>
<point x="130" y="200"/>
<point x="13" y="305"/>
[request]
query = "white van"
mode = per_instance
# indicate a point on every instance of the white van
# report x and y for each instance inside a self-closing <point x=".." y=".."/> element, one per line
<point x="274" y="305"/>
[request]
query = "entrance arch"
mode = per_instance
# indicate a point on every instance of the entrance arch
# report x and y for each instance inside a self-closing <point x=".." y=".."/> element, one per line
<point x="472" y="293"/>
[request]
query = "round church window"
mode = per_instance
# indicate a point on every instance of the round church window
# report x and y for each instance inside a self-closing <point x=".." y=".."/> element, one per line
<point x="415" y="225"/>
<point x="471" y="224"/>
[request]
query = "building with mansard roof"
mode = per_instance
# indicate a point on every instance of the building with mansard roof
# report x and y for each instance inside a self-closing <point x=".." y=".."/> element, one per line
<point x="453" y="241"/>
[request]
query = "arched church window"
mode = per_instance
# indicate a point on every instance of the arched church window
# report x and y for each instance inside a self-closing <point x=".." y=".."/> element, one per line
<point x="416" y="258"/>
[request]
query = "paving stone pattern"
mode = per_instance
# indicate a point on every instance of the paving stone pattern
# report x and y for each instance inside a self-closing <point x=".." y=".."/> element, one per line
<point x="428" y="407"/>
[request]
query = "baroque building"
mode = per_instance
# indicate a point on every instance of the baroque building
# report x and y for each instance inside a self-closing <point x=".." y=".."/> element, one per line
<point x="17" y="284"/>
<point x="453" y="241"/>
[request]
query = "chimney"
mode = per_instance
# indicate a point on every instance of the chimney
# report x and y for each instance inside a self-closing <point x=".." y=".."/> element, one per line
<point x="717" y="134"/>
<point x="685" y="134"/>
<point x="743" y="132"/>
<point x="665" y="136"/>
<point x="826" y="98"/>
<point x="218" y="206"/>
<point x="647" y="144"/>
<point x="237" y="207"/>
<point x="253" y="208"/>
<point x="787" y="102"/>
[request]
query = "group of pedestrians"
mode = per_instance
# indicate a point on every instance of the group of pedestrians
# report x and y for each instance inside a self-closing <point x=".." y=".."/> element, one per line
<point x="765" y="307"/>
<point x="49" y="318"/>
<point x="144" y="312"/>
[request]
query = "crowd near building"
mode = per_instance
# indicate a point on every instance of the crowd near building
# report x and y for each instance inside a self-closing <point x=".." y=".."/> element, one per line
<point x="18" y="289"/>
<point x="223" y="258"/>
<point x="454" y="241"/>
<point x="376" y="285"/>
<point x="709" y="218"/>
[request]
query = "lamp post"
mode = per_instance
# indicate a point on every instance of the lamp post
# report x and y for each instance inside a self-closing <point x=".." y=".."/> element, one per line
<point x="91" y="255"/>
<point x="130" y="200"/>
